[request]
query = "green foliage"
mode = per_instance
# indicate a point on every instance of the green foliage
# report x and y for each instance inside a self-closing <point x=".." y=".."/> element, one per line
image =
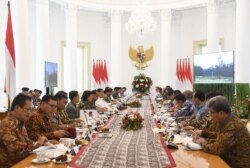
<point x="141" y="83"/>
<point x="241" y="100"/>
<point x="237" y="100"/>
<point x="226" y="89"/>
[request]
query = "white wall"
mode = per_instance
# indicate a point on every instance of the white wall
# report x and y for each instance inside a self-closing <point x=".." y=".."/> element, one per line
<point x="94" y="28"/>
<point x="128" y="69"/>
<point x="193" y="27"/>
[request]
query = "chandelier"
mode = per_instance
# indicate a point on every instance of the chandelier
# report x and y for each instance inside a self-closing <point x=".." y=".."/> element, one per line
<point x="140" y="22"/>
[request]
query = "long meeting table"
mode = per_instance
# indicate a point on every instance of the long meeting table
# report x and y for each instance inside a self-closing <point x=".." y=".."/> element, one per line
<point x="141" y="148"/>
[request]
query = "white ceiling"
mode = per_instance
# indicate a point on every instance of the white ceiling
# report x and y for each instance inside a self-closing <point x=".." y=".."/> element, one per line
<point x="129" y="5"/>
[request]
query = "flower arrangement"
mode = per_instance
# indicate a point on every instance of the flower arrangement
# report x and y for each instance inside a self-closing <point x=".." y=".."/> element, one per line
<point x="134" y="104"/>
<point x="141" y="83"/>
<point x="132" y="121"/>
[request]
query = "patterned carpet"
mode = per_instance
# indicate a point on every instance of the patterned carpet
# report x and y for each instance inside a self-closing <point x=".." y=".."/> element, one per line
<point x="127" y="149"/>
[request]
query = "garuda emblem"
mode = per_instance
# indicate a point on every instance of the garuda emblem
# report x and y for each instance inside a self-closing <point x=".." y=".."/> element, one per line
<point x="141" y="57"/>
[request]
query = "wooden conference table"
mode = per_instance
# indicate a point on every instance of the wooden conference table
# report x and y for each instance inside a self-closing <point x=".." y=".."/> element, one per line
<point x="182" y="158"/>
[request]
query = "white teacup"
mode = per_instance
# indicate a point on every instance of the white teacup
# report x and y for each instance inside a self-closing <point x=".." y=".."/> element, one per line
<point x="40" y="156"/>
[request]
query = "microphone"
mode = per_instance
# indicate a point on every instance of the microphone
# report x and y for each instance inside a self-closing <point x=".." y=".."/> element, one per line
<point x="87" y="120"/>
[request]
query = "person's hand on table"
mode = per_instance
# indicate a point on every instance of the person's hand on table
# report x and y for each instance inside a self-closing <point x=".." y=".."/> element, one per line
<point x="53" y="141"/>
<point x="196" y="133"/>
<point x="188" y="127"/>
<point x="199" y="140"/>
<point x="41" y="140"/>
<point x="78" y="120"/>
<point x="60" y="133"/>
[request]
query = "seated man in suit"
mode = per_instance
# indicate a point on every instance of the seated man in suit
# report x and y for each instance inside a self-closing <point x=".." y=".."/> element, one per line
<point x="230" y="140"/>
<point x="117" y="92"/>
<point x="39" y="123"/>
<point x="14" y="142"/>
<point x="70" y="108"/>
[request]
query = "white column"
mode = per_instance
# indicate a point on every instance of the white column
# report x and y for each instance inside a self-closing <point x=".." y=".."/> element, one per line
<point x="242" y="53"/>
<point x="212" y="26"/>
<point x="24" y="72"/>
<point x="42" y="41"/>
<point x="116" y="62"/>
<point x="167" y="74"/>
<point x="70" y="64"/>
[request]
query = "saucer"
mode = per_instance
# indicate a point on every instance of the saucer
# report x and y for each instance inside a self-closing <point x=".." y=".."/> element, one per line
<point x="40" y="161"/>
<point x="61" y="162"/>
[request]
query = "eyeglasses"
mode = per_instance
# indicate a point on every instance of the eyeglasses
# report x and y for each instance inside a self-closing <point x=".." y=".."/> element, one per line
<point x="52" y="105"/>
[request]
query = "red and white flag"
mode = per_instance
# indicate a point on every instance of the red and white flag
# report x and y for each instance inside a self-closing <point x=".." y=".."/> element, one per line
<point x="177" y="70"/>
<point x="190" y="76"/>
<point x="10" y="59"/>
<point x="94" y="71"/>
<point x="106" y="72"/>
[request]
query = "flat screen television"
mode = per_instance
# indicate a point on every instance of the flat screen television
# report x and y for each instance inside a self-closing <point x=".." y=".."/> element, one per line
<point x="50" y="74"/>
<point x="214" y="67"/>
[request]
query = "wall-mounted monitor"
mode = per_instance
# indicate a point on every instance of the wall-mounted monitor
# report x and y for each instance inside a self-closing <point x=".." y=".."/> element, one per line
<point x="50" y="74"/>
<point x="214" y="68"/>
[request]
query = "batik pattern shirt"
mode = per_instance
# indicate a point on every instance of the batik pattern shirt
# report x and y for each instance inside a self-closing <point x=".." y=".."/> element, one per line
<point x="232" y="143"/>
<point x="14" y="142"/>
<point x="64" y="117"/>
<point x="39" y="124"/>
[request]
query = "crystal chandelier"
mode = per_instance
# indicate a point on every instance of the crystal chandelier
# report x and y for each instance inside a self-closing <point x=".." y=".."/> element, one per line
<point x="140" y="22"/>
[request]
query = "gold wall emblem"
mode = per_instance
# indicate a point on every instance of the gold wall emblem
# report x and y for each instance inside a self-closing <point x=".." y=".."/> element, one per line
<point x="141" y="57"/>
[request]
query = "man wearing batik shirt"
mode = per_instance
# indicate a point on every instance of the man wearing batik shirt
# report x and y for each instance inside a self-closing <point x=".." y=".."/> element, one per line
<point x="88" y="102"/>
<point x="14" y="142"/>
<point x="231" y="139"/>
<point x="62" y="99"/>
<point x="39" y="123"/>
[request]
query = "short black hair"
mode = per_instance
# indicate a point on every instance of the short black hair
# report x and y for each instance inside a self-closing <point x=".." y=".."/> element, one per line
<point x="36" y="90"/>
<point x="40" y="92"/>
<point x="99" y="90"/>
<point x="176" y="92"/>
<point x="117" y="88"/>
<point x="93" y="91"/>
<point x="170" y="92"/>
<point x="19" y="100"/>
<point x="200" y="95"/>
<point x="62" y="92"/>
<point x="47" y="98"/>
<point x="180" y="97"/>
<point x="108" y="89"/>
<point x="25" y="89"/>
<point x="86" y="95"/>
<point x="61" y="95"/>
<point x="73" y="94"/>
<point x="219" y="103"/>
<point x="213" y="94"/>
